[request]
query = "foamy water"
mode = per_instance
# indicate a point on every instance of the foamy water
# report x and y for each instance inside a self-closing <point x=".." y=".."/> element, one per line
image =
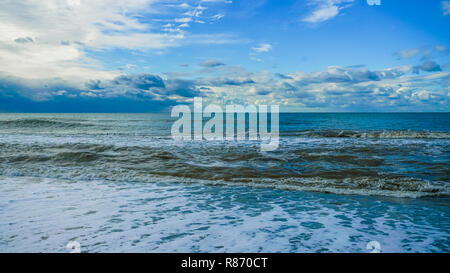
<point x="45" y="214"/>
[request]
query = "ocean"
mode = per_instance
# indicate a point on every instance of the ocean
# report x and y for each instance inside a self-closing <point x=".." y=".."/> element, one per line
<point x="120" y="183"/>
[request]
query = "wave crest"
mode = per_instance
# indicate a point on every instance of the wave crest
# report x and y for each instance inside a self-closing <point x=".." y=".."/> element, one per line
<point x="369" y="134"/>
<point x="40" y="123"/>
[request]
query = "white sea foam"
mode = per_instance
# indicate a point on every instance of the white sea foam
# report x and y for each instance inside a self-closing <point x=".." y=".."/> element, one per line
<point x="43" y="215"/>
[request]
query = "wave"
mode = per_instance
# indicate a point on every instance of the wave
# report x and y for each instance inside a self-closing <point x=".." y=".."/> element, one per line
<point x="144" y="164"/>
<point x="400" y="134"/>
<point x="400" y="187"/>
<point x="41" y="123"/>
<point x="403" y="187"/>
<point x="366" y="169"/>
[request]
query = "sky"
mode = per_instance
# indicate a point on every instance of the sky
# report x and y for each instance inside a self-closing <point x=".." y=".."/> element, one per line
<point x="149" y="55"/>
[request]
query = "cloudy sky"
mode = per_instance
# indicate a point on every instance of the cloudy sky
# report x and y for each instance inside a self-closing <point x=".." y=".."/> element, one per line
<point x="148" y="55"/>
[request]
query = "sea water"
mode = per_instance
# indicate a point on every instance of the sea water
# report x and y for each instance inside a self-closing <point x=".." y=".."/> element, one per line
<point x="120" y="183"/>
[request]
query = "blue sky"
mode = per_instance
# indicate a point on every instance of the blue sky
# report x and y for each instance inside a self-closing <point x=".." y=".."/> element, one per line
<point x="148" y="55"/>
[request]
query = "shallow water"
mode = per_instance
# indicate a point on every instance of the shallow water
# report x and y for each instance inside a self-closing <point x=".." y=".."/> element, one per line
<point x="118" y="182"/>
<point x="45" y="214"/>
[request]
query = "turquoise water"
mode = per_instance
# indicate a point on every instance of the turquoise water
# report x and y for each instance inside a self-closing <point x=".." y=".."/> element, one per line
<point x="119" y="182"/>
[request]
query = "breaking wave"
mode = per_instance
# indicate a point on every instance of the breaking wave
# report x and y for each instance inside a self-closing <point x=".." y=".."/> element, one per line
<point x="396" y="134"/>
<point x="222" y="165"/>
<point x="41" y="123"/>
<point x="402" y="187"/>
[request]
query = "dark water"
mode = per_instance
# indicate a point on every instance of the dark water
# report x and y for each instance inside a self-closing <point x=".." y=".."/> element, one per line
<point x="356" y="160"/>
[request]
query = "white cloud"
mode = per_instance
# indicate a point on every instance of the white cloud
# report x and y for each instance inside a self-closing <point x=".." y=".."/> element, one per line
<point x="182" y="6"/>
<point x="218" y="1"/>
<point x="263" y="47"/>
<point x="336" y="88"/>
<point x="374" y="2"/>
<point x="183" y="20"/>
<point x="441" y="48"/>
<point x="405" y="54"/>
<point x="62" y="30"/>
<point x="325" y="10"/>
<point x="49" y="38"/>
<point x="322" y="14"/>
<point x="217" y="16"/>
<point x="446" y="7"/>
